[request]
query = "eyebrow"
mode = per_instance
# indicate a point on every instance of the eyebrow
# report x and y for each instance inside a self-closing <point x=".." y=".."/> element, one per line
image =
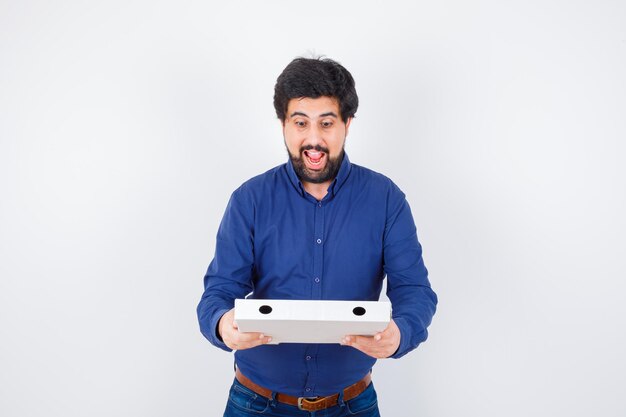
<point x="299" y="113"/>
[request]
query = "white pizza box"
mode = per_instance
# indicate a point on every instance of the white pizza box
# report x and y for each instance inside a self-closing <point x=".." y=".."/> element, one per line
<point x="311" y="321"/>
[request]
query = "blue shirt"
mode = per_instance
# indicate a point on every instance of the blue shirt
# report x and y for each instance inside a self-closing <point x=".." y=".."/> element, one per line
<point x="276" y="241"/>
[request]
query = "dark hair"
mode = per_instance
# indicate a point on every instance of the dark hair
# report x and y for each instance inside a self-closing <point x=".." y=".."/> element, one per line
<point x="315" y="77"/>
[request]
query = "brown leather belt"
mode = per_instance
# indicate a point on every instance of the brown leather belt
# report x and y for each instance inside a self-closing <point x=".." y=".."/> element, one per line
<point x="304" y="403"/>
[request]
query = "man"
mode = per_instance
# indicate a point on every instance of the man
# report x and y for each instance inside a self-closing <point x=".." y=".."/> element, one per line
<point x="320" y="228"/>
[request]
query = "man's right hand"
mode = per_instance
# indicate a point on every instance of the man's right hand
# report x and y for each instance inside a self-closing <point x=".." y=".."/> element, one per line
<point x="236" y="340"/>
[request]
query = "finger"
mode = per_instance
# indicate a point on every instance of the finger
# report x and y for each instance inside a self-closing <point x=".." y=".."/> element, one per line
<point x="389" y="334"/>
<point x="389" y="330"/>
<point x="248" y="340"/>
<point x="364" y="341"/>
<point x="371" y="346"/>
<point x="379" y="336"/>
<point x="253" y="343"/>
<point x="249" y="336"/>
<point x="374" y="352"/>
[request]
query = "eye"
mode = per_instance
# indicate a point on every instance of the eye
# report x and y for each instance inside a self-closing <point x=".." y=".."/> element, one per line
<point x="327" y="123"/>
<point x="300" y="123"/>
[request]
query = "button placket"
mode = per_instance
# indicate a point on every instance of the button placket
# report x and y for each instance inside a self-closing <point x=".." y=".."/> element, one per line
<point x="318" y="251"/>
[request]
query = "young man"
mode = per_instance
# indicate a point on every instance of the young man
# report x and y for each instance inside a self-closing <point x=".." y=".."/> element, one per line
<point x="317" y="227"/>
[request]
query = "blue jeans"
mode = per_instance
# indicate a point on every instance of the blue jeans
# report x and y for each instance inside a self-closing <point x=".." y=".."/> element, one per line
<point x="244" y="403"/>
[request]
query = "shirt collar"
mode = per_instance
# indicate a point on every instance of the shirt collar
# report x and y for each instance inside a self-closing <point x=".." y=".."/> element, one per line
<point x="342" y="175"/>
<point x="340" y="179"/>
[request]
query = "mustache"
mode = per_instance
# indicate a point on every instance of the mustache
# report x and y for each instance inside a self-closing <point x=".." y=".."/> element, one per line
<point x="318" y="148"/>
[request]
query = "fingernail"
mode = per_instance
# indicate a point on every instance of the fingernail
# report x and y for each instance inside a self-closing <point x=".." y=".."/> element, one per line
<point x="261" y="336"/>
<point x="269" y="339"/>
<point x="377" y="337"/>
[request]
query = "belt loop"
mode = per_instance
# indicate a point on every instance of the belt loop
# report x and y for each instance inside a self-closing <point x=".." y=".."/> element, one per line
<point x="340" y="402"/>
<point x="273" y="400"/>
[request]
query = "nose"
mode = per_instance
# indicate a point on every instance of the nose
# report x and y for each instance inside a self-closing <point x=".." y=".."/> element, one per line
<point x="315" y="135"/>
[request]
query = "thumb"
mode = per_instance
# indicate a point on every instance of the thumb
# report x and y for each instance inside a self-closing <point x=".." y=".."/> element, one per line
<point x="388" y="330"/>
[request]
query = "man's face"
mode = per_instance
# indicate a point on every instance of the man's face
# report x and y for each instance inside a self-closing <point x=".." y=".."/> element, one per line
<point x="314" y="136"/>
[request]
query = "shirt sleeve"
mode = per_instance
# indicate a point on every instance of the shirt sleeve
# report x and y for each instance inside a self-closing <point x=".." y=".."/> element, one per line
<point x="408" y="288"/>
<point x="229" y="275"/>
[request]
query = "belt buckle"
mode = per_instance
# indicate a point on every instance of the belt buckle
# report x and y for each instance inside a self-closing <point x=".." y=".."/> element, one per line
<point x="308" y="401"/>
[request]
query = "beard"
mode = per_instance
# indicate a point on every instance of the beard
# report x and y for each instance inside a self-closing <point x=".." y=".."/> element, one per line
<point x="329" y="172"/>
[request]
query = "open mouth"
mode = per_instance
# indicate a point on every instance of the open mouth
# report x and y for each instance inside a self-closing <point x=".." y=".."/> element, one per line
<point x="314" y="159"/>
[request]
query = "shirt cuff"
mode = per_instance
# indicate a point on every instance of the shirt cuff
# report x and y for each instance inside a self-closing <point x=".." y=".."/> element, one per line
<point x="217" y="340"/>
<point x="405" y="330"/>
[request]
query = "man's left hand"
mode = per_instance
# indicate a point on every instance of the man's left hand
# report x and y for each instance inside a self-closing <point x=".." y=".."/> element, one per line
<point x="381" y="345"/>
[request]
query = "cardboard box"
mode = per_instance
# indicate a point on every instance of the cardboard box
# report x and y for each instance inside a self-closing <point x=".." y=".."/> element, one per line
<point x="311" y="321"/>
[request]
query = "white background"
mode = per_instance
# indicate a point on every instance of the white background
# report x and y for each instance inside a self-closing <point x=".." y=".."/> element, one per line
<point x="125" y="126"/>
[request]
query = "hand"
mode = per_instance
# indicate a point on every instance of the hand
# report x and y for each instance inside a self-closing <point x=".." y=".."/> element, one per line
<point x="236" y="340"/>
<point x="381" y="345"/>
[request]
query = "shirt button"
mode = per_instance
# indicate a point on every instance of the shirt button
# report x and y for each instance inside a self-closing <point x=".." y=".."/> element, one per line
<point x="319" y="204"/>
<point x="319" y="241"/>
<point x="317" y="280"/>
<point x="307" y="389"/>
<point x="308" y="358"/>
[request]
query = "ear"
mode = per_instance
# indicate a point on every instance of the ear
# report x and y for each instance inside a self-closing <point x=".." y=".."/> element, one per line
<point x="348" y="124"/>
